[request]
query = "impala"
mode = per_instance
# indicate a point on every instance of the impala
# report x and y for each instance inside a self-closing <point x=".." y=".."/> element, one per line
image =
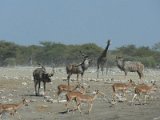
<point x="121" y="87"/>
<point x="80" y="98"/>
<point x="144" y="89"/>
<point x="12" y="108"/>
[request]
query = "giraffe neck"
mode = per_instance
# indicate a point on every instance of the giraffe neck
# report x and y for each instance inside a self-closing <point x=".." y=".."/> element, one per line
<point x="104" y="54"/>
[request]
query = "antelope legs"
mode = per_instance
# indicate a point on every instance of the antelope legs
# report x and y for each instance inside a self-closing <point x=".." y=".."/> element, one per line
<point x="78" y="106"/>
<point x="90" y="108"/>
<point x="90" y="105"/>
<point x="133" y="98"/>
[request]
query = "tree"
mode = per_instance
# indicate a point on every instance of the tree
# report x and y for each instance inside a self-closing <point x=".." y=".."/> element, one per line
<point x="157" y="46"/>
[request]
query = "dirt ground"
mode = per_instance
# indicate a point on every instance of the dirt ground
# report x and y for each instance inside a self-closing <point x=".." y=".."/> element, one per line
<point x="17" y="82"/>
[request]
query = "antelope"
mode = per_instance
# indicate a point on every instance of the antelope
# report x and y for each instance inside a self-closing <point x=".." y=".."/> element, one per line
<point x="12" y="108"/>
<point x="121" y="87"/>
<point x="144" y="89"/>
<point x="130" y="66"/>
<point x="40" y="75"/>
<point x="79" y="68"/>
<point x="62" y="88"/>
<point x="80" y="98"/>
<point x="71" y="95"/>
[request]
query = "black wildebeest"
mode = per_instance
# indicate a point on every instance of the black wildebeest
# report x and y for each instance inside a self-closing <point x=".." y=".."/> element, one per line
<point x="78" y="69"/>
<point x="40" y="75"/>
<point x="130" y="66"/>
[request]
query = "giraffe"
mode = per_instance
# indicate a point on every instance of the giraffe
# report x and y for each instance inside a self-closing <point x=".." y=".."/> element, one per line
<point x="102" y="59"/>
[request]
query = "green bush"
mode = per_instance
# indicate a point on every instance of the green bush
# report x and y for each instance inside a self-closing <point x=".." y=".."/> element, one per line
<point x="10" y="62"/>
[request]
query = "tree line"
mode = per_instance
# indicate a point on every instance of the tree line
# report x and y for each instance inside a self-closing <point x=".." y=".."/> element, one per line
<point x="49" y="53"/>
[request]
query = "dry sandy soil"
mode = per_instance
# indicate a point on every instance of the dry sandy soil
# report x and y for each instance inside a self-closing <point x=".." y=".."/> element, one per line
<point x="17" y="82"/>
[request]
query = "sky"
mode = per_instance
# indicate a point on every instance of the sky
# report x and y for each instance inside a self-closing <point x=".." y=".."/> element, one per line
<point x="124" y="22"/>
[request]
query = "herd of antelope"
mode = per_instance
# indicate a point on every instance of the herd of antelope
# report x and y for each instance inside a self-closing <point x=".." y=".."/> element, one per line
<point x="78" y="92"/>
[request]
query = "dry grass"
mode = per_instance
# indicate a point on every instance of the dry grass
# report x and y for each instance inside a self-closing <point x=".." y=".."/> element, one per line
<point x="17" y="82"/>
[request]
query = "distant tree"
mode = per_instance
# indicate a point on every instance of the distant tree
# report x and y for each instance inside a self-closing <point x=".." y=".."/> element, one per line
<point x="7" y="50"/>
<point x="157" y="46"/>
<point x="144" y="52"/>
<point x="10" y="62"/>
<point x="49" y="53"/>
<point x="127" y="50"/>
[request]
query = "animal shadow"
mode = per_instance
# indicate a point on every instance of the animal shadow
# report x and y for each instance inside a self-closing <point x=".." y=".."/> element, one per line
<point x="66" y="111"/>
<point x="33" y="95"/>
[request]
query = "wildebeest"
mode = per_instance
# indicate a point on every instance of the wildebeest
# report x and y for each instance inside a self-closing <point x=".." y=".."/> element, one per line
<point x="130" y="66"/>
<point x="79" y="68"/>
<point x="40" y="75"/>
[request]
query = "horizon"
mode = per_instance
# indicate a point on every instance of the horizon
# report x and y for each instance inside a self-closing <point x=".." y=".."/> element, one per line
<point x="81" y="44"/>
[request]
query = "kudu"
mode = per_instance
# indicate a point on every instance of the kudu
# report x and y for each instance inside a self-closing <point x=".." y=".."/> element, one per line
<point x="40" y="75"/>
<point x="78" y="69"/>
<point x="130" y="66"/>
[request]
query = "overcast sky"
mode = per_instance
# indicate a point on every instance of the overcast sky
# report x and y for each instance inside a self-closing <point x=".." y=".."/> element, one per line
<point x="125" y="22"/>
